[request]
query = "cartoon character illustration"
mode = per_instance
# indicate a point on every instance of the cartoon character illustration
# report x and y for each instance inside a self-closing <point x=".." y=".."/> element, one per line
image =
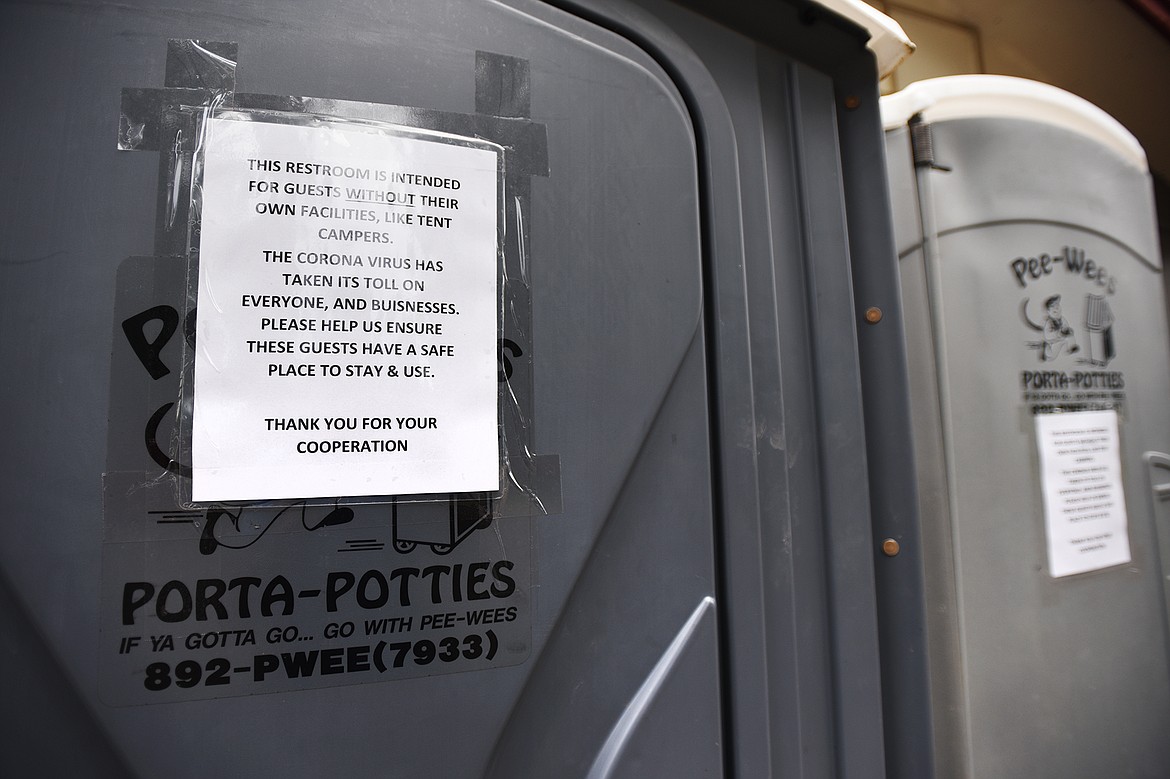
<point x="1056" y="333"/>
<point x="226" y="529"/>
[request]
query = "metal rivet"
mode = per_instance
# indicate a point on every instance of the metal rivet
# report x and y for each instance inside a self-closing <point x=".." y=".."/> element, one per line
<point x="891" y="547"/>
<point x="873" y="315"/>
<point x="852" y="102"/>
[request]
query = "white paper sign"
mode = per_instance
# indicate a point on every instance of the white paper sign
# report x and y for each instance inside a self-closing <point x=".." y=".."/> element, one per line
<point x="1084" y="502"/>
<point x="347" y="313"/>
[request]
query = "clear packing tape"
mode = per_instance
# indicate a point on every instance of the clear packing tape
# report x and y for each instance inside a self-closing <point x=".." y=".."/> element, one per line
<point x="174" y="120"/>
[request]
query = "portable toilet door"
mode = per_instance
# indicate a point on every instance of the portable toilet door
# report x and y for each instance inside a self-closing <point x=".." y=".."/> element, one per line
<point x="1038" y="348"/>
<point x="450" y="389"/>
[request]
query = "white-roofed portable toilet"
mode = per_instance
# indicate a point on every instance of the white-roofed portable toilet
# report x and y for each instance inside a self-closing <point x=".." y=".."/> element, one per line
<point x="1038" y="351"/>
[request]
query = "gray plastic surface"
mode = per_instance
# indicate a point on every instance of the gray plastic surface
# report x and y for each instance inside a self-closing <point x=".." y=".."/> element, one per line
<point x="601" y="392"/>
<point x="1031" y="675"/>
<point x="706" y="603"/>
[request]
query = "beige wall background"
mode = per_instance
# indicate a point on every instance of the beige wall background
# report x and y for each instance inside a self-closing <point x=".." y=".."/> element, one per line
<point x="1102" y="50"/>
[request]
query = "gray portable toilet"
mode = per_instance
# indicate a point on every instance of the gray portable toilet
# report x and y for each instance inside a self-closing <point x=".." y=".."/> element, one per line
<point x="1037" y="342"/>
<point x="703" y="438"/>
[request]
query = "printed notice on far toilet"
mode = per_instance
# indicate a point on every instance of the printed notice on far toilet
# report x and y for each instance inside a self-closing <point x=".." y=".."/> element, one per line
<point x="1084" y="502"/>
<point x="348" y="312"/>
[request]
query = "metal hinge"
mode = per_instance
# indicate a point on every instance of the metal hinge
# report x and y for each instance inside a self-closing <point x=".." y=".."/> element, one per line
<point x="922" y="144"/>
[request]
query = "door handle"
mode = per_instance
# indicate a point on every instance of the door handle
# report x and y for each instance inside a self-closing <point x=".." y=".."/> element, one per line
<point x="1159" y="469"/>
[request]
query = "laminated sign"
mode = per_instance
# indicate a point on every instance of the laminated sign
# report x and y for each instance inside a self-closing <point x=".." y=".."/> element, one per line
<point x="1084" y="500"/>
<point x="348" y="311"/>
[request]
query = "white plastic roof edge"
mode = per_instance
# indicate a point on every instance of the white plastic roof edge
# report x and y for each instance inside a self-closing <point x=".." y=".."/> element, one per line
<point x="964" y="97"/>
<point x="887" y="40"/>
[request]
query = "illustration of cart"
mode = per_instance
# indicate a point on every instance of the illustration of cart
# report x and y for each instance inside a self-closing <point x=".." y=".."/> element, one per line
<point x="442" y="525"/>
